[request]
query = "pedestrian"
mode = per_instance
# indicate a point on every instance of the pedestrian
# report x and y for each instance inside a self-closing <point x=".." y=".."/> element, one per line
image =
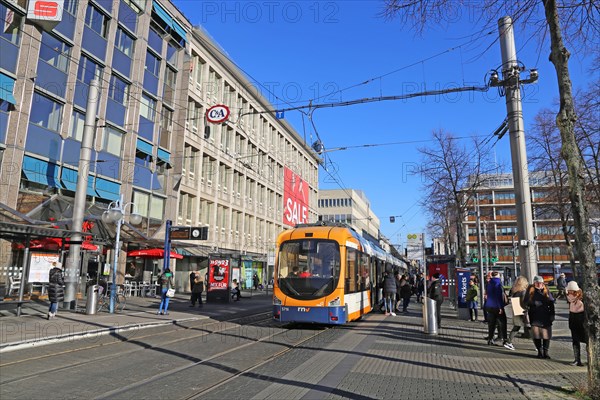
<point x="576" y="320"/>
<point x="435" y="293"/>
<point x="488" y="277"/>
<point x="166" y="282"/>
<point x="192" y="281"/>
<point x="389" y="291"/>
<point x="398" y="299"/>
<point x="518" y="291"/>
<point x="420" y="287"/>
<point x="56" y="292"/>
<point x="255" y="281"/>
<point x="197" y="290"/>
<point x="561" y="284"/>
<point x="471" y="299"/>
<point x="405" y="293"/>
<point x="540" y="306"/>
<point x="235" y="290"/>
<point x="496" y="301"/>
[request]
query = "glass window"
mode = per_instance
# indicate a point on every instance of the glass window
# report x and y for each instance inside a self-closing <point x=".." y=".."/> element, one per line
<point x="124" y="42"/>
<point x="45" y="112"/>
<point x="77" y="124"/>
<point x="141" y="200"/>
<point x="96" y="21"/>
<point x="157" y="207"/>
<point x="55" y="52"/>
<point x="170" y="77"/>
<point x="70" y="6"/>
<point x="147" y="107"/>
<point x="11" y="24"/>
<point x="118" y="90"/>
<point x="171" y="54"/>
<point x="88" y="70"/>
<point x="112" y="141"/>
<point x="152" y="64"/>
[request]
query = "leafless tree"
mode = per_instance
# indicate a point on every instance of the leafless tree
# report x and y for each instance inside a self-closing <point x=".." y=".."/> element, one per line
<point x="451" y="172"/>
<point x="574" y="22"/>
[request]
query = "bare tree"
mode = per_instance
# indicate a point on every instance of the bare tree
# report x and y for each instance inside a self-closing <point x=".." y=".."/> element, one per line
<point x="577" y="23"/>
<point x="546" y="160"/>
<point x="451" y="172"/>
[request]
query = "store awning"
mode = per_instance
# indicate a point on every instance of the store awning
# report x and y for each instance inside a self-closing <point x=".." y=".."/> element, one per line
<point x="152" y="253"/>
<point x="55" y="244"/>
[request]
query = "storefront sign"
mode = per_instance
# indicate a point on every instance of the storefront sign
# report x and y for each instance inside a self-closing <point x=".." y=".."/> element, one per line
<point x="218" y="274"/>
<point x="295" y="199"/>
<point x="45" y="13"/>
<point x="217" y="114"/>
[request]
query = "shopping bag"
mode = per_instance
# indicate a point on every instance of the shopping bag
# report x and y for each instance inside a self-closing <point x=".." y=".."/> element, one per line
<point x="171" y="292"/>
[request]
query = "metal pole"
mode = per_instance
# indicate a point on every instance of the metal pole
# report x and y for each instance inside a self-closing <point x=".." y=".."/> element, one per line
<point x="514" y="250"/>
<point x="25" y="269"/>
<point x="79" y="203"/>
<point x="167" y="246"/>
<point x="482" y="278"/>
<point x="510" y="75"/>
<point x="113" y="286"/>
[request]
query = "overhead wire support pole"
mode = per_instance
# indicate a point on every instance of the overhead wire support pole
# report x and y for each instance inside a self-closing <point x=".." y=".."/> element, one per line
<point x="511" y="83"/>
<point x="482" y="282"/>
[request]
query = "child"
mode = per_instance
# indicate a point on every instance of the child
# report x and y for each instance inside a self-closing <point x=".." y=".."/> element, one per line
<point x="576" y="320"/>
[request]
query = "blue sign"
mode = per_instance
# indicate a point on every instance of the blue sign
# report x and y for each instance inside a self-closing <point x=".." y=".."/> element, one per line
<point x="279" y="114"/>
<point x="462" y="285"/>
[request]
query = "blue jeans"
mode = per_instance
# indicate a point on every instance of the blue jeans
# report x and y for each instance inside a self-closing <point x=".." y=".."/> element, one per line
<point x="53" y="307"/>
<point x="390" y="300"/>
<point x="164" y="301"/>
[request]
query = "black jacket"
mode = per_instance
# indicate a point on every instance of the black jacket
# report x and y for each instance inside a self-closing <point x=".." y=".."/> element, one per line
<point x="540" y="308"/>
<point x="389" y="284"/>
<point x="435" y="291"/>
<point x="56" y="293"/>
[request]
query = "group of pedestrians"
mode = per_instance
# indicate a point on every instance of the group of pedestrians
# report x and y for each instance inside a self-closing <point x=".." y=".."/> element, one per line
<point x="397" y="290"/>
<point x="534" y="311"/>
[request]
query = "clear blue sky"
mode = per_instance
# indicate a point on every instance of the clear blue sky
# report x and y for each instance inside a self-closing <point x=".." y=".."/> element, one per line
<point x="302" y="50"/>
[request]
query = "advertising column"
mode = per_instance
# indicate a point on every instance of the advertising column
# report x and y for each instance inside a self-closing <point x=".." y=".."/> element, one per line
<point x="218" y="285"/>
<point x="462" y="286"/>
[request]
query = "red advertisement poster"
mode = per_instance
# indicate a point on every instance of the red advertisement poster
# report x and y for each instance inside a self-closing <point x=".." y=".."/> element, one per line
<point x="295" y="198"/>
<point x="442" y="269"/>
<point x="218" y="275"/>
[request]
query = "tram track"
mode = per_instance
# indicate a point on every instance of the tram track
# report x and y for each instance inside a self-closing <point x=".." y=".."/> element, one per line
<point x="256" y="318"/>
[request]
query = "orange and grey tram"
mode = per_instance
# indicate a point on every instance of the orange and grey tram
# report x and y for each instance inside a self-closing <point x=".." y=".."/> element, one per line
<point x="327" y="273"/>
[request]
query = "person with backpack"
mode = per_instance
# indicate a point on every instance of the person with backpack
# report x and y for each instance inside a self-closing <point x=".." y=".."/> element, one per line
<point x="435" y="293"/>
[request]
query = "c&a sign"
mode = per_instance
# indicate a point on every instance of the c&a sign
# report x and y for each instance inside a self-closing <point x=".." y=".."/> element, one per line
<point x="295" y="198"/>
<point x="46" y="13"/>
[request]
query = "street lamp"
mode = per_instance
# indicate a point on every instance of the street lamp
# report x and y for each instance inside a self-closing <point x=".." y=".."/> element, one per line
<point x="114" y="214"/>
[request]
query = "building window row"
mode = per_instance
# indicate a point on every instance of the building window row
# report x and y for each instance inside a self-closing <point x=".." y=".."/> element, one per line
<point x="346" y="202"/>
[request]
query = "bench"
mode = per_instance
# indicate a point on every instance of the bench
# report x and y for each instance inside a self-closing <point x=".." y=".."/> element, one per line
<point x="17" y="303"/>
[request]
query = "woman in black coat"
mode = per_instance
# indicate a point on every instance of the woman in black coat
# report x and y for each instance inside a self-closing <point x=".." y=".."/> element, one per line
<point x="56" y="291"/>
<point x="540" y="305"/>
<point x="389" y="291"/>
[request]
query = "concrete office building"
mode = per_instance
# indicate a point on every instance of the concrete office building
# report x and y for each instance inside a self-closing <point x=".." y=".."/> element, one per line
<point x="158" y="77"/>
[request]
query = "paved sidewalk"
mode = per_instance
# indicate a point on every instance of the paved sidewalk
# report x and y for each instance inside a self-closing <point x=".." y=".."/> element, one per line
<point x="33" y="329"/>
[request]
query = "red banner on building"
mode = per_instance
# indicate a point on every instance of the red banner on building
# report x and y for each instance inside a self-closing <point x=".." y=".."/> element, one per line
<point x="218" y="274"/>
<point x="295" y="198"/>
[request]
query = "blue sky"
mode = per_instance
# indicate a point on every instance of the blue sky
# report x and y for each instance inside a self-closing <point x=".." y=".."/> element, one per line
<point x="302" y="50"/>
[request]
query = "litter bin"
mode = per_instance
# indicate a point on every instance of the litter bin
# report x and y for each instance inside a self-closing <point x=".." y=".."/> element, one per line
<point x="92" y="299"/>
<point x="430" y="324"/>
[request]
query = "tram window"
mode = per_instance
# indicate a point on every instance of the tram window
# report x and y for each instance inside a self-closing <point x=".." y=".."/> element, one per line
<point x="351" y="271"/>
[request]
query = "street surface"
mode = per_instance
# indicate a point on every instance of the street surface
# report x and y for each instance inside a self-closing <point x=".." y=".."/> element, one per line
<point x="236" y="351"/>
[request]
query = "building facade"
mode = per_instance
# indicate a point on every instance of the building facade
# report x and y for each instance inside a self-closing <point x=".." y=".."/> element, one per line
<point x="498" y="226"/>
<point x="152" y="145"/>
<point x="351" y="207"/>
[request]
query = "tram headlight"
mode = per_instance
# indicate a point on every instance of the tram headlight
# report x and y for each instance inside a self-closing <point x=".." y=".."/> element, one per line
<point x="276" y="301"/>
<point x="335" y="302"/>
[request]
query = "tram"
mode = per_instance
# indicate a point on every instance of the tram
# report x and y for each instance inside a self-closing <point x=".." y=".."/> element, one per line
<point x="324" y="273"/>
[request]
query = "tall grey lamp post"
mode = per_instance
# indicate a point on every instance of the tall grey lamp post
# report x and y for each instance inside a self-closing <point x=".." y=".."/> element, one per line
<point x="115" y="214"/>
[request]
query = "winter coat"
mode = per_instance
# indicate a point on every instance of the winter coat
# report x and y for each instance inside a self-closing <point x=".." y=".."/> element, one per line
<point x="561" y="283"/>
<point x="496" y="299"/>
<point x="405" y="290"/>
<point x="56" y="292"/>
<point x="435" y="291"/>
<point x="389" y="284"/>
<point x="198" y="286"/>
<point x="540" y="308"/>
<point x="520" y="320"/>
<point x="472" y="293"/>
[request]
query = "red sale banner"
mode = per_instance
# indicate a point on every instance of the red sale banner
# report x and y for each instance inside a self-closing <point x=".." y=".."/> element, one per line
<point x="295" y="198"/>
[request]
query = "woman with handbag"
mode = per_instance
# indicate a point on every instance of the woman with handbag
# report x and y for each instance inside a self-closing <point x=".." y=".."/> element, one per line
<point x="167" y="286"/>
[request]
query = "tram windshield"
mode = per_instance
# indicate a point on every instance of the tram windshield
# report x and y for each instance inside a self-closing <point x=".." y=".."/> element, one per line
<point x="309" y="268"/>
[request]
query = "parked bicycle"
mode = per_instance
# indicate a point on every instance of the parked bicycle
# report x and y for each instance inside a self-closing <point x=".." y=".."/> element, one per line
<point x="104" y="300"/>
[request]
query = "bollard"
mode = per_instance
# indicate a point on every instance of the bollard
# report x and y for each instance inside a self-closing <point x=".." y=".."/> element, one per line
<point x="92" y="299"/>
<point x="430" y="324"/>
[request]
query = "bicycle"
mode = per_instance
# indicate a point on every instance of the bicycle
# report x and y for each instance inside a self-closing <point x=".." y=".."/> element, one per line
<point x="104" y="301"/>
